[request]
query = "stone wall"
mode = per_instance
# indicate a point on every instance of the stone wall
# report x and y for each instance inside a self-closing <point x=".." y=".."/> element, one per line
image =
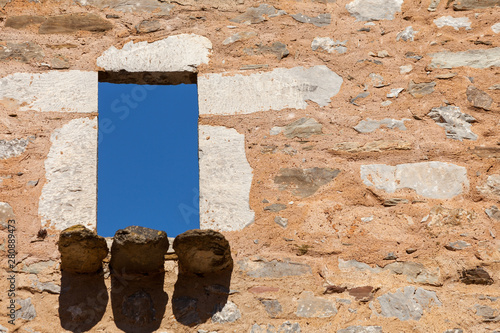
<point x="349" y="153"/>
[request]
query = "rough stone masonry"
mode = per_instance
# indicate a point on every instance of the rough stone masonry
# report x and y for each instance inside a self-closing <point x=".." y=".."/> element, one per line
<point x="349" y="153"/>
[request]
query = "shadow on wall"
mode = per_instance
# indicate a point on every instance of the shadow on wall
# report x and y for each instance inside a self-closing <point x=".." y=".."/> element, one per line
<point x="205" y="268"/>
<point x="137" y="278"/>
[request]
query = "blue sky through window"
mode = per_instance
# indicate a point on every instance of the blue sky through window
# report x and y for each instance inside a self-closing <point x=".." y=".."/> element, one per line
<point x="147" y="158"/>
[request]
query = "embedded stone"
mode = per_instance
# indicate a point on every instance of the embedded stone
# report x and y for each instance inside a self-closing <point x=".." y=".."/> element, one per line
<point x="277" y="48"/>
<point x="474" y="4"/>
<point x="437" y="180"/>
<point x="227" y="314"/>
<point x="329" y="45"/>
<point x="310" y="306"/>
<point x="202" y="252"/>
<point x="82" y="250"/>
<point x="488" y="152"/>
<point x="370" y="125"/>
<point x="488" y="313"/>
<point x="407" y="304"/>
<point x="59" y="62"/>
<point x="457" y="125"/>
<point x="455" y="22"/>
<point x="457" y="246"/>
<point x="25" y="309"/>
<point x="23" y="52"/>
<point x="415" y="272"/>
<point x="322" y="20"/>
<point x="286" y="327"/>
<point x="273" y="269"/>
<point x="373" y="146"/>
<point x="305" y="182"/>
<point x="23" y="21"/>
<point x="263" y="289"/>
<point x="407" y="35"/>
<point x="476" y="276"/>
<point x="275" y="207"/>
<point x="394" y="202"/>
<point x="361" y="329"/>
<point x="419" y="90"/>
<point x="374" y="10"/>
<point x="479" y="98"/>
<point x="12" y="148"/>
<point x="440" y="216"/>
<point x="6" y="214"/>
<point x="272" y="307"/>
<point x="138" y="250"/>
<point x="493" y="212"/>
<point x="281" y="221"/>
<point x="491" y="188"/>
<point x="131" y="6"/>
<point x="178" y="53"/>
<point x="471" y="58"/>
<point x="243" y="35"/>
<point x="496" y="27"/>
<point x="394" y="93"/>
<point x="302" y="128"/>
<point x="259" y="14"/>
<point x="455" y="330"/>
<point x="362" y="294"/>
<point x="139" y="308"/>
<point x="70" y="23"/>
<point x="243" y="94"/>
<point x="148" y="26"/>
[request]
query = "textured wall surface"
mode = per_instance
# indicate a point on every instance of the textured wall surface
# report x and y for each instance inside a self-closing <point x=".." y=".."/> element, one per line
<point x="349" y="153"/>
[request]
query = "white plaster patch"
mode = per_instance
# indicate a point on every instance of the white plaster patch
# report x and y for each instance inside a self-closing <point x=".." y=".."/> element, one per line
<point x="496" y="27"/>
<point x="274" y="90"/>
<point x="374" y="10"/>
<point x="69" y="195"/>
<point x="12" y="148"/>
<point x="72" y="91"/>
<point x="455" y="22"/>
<point x="225" y="179"/>
<point x="179" y="53"/>
<point x="436" y="180"/>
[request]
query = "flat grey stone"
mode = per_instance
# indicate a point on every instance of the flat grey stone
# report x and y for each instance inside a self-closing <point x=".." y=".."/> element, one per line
<point x="274" y="90"/>
<point x="407" y="304"/>
<point x="479" y="98"/>
<point x="27" y="309"/>
<point x="329" y="45"/>
<point x="489" y="314"/>
<point x="272" y="306"/>
<point x="370" y="125"/>
<point x="273" y="269"/>
<point x="322" y="20"/>
<point x="493" y="212"/>
<point x="286" y="327"/>
<point x="361" y="95"/>
<point x="455" y="330"/>
<point x="418" y="90"/>
<point x="23" y="21"/>
<point x="491" y="188"/>
<point x="69" y="195"/>
<point x="259" y="14"/>
<point x="225" y="179"/>
<point x="437" y="180"/>
<point x="407" y="35"/>
<point x="23" y="52"/>
<point x="277" y="48"/>
<point x="471" y="58"/>
<point x="38" y="267"/>
<point x="361" y="266"/>
<point x="130" y="6"/>
<point x="302" y="128"/>
<point x="455" y="22"/>
<point x="281" y="221"/>
<point x="3" y="329"/>
<point x="310" y="306"/>
<point x="496" y="27"/>
<point x="394" y="202"/>
<point x="457" y="246"/>
<point x="147" y="26"/>
<point x="374" y="10"/>
<point x="82" y="250"/>
<point x="361" y="329"/>
<point x="474" y="4"/>
<point x="178" y="53"/>
<point x="228" y="314"/>
<point x="395" y="92"/>
<point x="305" y="182"/>
<point x="243" y="35"/>
<point x="433" y="5"/>
<point x="456" y="124"/>
<point x="71" y="23"/>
